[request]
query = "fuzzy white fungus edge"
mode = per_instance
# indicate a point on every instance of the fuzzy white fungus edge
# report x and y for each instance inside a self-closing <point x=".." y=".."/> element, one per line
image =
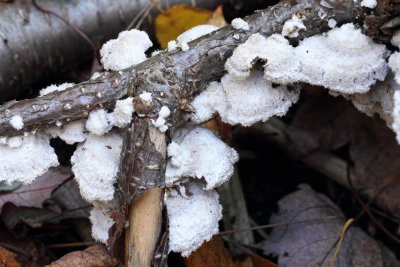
<point x="369" y="3"/>
<point x="292" y="27"/>
<point x="190" y="35"/>
<point x="26" y="157"/>
<point x="197" y="152"/>
<point x="101" y="220"/>
<point x="70" y="133"/>
<point x="192" y="220"/>
<point x="240" y="24"/>
<point x="123" y="111"/>
<point x="55" y="88"/>
<point x="99" y="122"/>
<point x="95" y="165"/>
<point x="243" y="101"/>
<point x="127" y="50"/>
<point x="343" y="60"/>
<point x="17" y="122"/>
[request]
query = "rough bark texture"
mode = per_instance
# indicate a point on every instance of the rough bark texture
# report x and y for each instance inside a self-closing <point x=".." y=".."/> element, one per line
<point x="36" y="45"/>
<point x="175" y="77"/>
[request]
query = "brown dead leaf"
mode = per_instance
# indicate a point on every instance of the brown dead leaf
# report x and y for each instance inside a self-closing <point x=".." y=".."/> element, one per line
<point x="217" y="18"/>
<point x="326" y="123"/>
<point x="255" y="261"/>
<point x="177" y="19"/>
<point x="210" y="254"/>
<point x="312" y="244"/>
<point x="8" y="258"/>
<point x="34" y="194"/>
<point x="94" y="256"/>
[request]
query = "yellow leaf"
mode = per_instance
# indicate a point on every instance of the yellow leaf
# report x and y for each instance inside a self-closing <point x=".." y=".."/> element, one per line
<point x="7" y="258"/>
<point x="176" y="20"/>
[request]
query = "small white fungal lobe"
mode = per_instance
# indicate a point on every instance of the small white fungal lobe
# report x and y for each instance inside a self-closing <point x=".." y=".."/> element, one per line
<point x="197" y="152"/>
<point x="53" y="88"/>
<point x="122" y="113"/>
<point x="17" y="122"/>
<point x="395" y="39"/>
<point x="99" y="122"/>
<point x="332" y="23"/>
<point x="396" y="115"/>
<point x="369" y="3"/>
<point x="243" y="102"/>
<point x="240" y="24"/>
<point x="172" y="45"/>
<point x="161" y="120"/>
<point x="192" y="220"/>
<point x="292" y="27"/>
<point x="24" y="158"/>
<point x="95" y="165"/>
<point x="196" y="32"/>
<point x="125" y="51"/>
<point x="146" y="96"/>
<point x="70" y="133"/>
<point x="343" y="60"/>
<point x="101" y="220"/>
<point x="394" y="64"/>
<point x="95" y="75"/>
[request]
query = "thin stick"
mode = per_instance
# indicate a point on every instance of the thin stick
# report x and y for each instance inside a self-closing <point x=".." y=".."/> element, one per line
<point x="265" y="226"/>
<point x="345" y="227"/>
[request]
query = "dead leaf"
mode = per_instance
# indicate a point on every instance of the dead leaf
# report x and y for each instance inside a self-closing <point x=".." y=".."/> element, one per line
<point x="326" y="123"/>
<point x="210" y="254"/>
<point x="180" y="18"/>
<point x="34" y="194"/>
<point x="255" y="261"/>
<point x="312" y="244"/>
<point x="217" y="18"/>
<point x="94" y="256"/>
<point x="8" y="258"/>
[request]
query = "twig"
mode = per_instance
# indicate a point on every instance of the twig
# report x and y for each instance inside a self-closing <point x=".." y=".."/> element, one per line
<point x="74" y="244"/>
<point x="265" y="226"/>
<point x="345" y="227"/>
<point x="372" y="216"/>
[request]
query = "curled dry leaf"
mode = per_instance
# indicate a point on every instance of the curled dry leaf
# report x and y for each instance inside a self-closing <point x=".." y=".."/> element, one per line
<point x="312" y="244"/>
<point x="94" y="256"/>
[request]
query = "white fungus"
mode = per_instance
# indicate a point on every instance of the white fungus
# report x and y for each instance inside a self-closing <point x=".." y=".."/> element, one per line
<point x="125" y="51"/>
<point x="292" y="27"/>
<point x="172" y="45"/>
<point x="161" y="120"/>
<point x="196" y="32"/>
<point x="395" y="39"/>
<point x="70" y="133"/>
<point x="146" y="96"/>
<point x="184" y="46"/>
<point x="123" y="111"/>
<point x="27" y="158"/>
<point x="332" y="23"/>
<point x="53" y="88"/>
<point x="95" y="165"/>
<point x="3" y="140"/>
<point x="95" y="75"/>
<point x="396" y="115"/>
<point x="243" y="101"/>
<point x="101" y="220"/>
<point x="192" y="220"/>
<point x="394" y="64"/>
<point x="99" y="122"/>
<point x="369" y="3"/>
<point x="213" y="162"/>
<point x="17" y="122"/>
<point x="240" y="24"/>
<point x="343" y="60"/>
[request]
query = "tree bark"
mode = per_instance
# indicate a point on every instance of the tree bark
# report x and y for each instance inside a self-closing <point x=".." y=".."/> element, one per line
<point x="36" y="45"/>
<point x="174" y="78"/>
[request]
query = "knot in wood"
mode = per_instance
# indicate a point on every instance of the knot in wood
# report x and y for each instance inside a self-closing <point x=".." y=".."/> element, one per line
<point x="142" y="106"/>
